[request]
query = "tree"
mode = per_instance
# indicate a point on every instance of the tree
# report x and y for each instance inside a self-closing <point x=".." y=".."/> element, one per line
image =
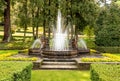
<point x="2" y="7"/>
<point x="108" y="25"/>
<point x="81" y="12"/>
<point x="36" y="11"/>
<point x="7" y="32"/>
<point x="89" y="31"/>
<point x="85" y="12"/>
<point x="23" y="15"/>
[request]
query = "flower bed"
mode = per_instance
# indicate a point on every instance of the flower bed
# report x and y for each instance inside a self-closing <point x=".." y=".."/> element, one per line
<point x="107" y="58"/>
<point x="6" y="57"/>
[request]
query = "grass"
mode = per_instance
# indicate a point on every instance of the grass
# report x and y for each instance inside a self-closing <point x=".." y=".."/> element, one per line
<point x="60" y="75"/>
<point x="7" y="51"/>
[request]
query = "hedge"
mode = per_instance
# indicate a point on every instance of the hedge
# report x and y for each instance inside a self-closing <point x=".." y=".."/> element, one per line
<point x="108" y="49"/>
<point x="104" y="72"/>
<point x="18" y="58"/>
<point x="5" y="56"/>
<point x="15" y="71"/>
<point x="107" y="57"/>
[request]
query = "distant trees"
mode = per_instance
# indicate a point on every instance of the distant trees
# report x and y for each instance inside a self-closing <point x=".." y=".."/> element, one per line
<point x="107" y="31"/>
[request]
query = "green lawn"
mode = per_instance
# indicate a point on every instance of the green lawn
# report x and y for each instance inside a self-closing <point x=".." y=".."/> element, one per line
<point x="8" y="51"/>
<point x="60" y="75"/>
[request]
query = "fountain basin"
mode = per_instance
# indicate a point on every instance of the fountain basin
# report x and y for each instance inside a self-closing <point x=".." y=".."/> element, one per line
<point x="83" y="51"/>
<point x="59" y="54"/>
<point x="34" y="51"/>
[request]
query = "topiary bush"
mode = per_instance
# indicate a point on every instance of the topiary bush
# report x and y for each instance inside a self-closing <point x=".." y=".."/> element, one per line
<point x="104" y="72"/>
<point x="15" y="71"/>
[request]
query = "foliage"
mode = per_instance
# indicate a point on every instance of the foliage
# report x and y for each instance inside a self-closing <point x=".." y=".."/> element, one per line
<point x="108" y="24"/>
<point x="2" y="7"/>
<point x="93" y="51"/>
<point x="90" y="42"/>
<point x="57" y="75"/>
<point x="15" y="71"/>
<point x="84" y="13"/>
<point x="104" y="72"/>
<point x="107" y="58"/>
<point x="111" y="56"/>
<point x="15" y="45"/>
<point x="89" y="31"/>
<point x="18" y="59"/>
<point x="8" y="52"/>
<point x="108" y="49"/>
<point x="98" y="60"/>
<point x="5" y="56"/>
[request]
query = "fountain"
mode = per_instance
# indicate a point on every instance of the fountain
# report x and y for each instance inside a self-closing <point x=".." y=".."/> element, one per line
<point x="60" y="46"/>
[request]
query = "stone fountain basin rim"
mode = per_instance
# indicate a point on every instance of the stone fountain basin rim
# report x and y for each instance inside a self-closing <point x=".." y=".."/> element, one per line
<point x="60" y="53"/>
<point x="60" y="50"/>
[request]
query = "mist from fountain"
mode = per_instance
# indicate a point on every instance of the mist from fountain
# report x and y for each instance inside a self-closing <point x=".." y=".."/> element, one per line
<point x="60" y="35"/>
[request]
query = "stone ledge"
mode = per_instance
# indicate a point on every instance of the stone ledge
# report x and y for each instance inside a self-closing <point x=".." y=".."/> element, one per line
<point x="86" y="65"/>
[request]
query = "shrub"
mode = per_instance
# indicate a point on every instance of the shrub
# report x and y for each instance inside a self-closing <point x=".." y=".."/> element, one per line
<point x="15" y="71"/>
<point x="108" y="58"/>
<point x="99" y="60"/>
<point x="18" y="59"/>
<point x="5" y="56"/>
<point x="8" y="54"/>
<point x="23" y="51"/>
<point x="15" y="45"/>
<point x="111" y="56"/>
<point x="104" y="72"/>
<point x="108" y="49"/>
<point x="90" y="43"/>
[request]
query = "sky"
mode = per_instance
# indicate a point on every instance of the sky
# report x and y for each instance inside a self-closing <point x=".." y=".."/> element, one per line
<point x="107" y="1"/>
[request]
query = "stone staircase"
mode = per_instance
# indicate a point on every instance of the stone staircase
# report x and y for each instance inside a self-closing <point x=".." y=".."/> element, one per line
<point x="59" y="64"/>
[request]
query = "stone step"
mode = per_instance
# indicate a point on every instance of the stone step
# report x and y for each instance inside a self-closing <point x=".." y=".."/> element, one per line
<point x="60" y="67"/>
<point x="61" y="56"/>
<point x="59" y="60"/>
<point x="58" y="63"/>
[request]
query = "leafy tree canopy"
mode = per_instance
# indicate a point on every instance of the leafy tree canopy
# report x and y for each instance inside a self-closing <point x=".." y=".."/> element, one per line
<point x="108" y="26"/>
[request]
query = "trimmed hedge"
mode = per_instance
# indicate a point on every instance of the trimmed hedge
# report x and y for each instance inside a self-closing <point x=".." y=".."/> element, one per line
<point x="5" y="56"/>
<point x="108" y="49"/>
<point x="107" y="58"/>
<point x="18" y="59"/>
<point x="15" y="71"/>
<point x="104" y="72"/>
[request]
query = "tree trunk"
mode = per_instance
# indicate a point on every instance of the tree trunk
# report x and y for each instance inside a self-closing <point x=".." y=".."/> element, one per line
<point x="44" y="34"/>
<point x="49" y="23"/>
<point x="7" y="33"/>
<point x="25" y="24"/>
<point x="44" y="22"/>
<point x="33" y="31"/>
<point x="25" y="28"/>
<point x="37" y="32"/>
